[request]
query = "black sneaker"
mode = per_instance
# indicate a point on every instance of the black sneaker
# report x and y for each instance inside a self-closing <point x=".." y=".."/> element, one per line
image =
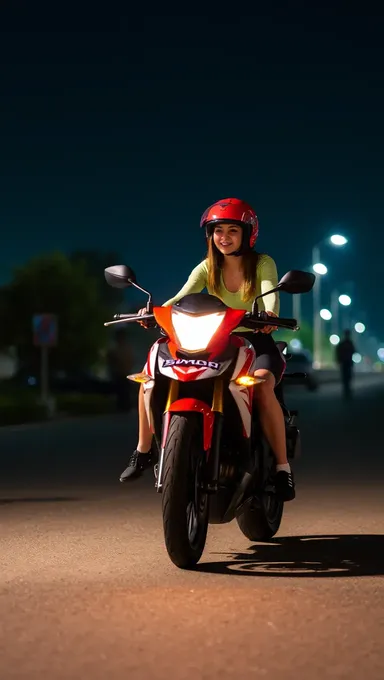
<point x="137" y="463"/>
<point x="285" y="485"/>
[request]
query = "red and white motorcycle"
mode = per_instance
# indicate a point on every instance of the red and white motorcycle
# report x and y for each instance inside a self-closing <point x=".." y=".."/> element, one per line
<point x="214" y="462"/>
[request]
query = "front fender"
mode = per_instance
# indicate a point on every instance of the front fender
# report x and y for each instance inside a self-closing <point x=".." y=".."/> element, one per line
<point x="184" y="406"/>
<point x="190" y="405"/>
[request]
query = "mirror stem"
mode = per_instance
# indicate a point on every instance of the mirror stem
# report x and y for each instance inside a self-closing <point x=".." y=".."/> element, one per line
<point x="149" y="303"/>
<point x="255" y="307"/>
<point x="140" y="288"/>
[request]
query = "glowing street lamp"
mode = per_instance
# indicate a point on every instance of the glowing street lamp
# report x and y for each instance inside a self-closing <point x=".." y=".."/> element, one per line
<point x="319" y="268"/>
<point x="296" y="344"/>
<point x="345" y="300"/>
<point x="334" y="339"/>
<point x="338" y="240"/>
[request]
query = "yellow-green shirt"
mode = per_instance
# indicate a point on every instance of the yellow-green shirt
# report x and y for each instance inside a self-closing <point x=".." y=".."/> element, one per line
<point x="266" y="279"/>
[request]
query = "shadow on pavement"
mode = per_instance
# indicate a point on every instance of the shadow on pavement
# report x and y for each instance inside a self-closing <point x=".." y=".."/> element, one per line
<point x="306" y="556"/>
<point x="55" y="499"/>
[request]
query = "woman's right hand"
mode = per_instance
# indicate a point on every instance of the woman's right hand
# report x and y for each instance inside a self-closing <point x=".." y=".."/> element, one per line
<point x="141" y="312"/>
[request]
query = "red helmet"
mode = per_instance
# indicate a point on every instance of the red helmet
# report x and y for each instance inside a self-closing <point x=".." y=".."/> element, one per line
<point x="233" y="211"/>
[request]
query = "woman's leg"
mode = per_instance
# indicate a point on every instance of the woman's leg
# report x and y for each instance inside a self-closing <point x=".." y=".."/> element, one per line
<point x="145" y="435"/>
<point x="271" y="415"/>
<point x="270" y="366"/>
<point x="142" y="457"/>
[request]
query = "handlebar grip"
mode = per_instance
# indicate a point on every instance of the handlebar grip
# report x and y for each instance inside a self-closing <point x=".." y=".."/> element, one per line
<point x="124" y="316"/>
<point x="263" y="319"/>
<point x="286" y="322"/>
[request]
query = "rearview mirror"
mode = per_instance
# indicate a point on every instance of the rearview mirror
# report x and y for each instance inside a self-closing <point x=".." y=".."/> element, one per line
<point x="296" y="281"/>
<point x="120" y="276"/>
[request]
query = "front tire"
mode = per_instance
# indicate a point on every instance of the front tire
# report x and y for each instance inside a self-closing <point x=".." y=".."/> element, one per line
<point x="185" y="503"/>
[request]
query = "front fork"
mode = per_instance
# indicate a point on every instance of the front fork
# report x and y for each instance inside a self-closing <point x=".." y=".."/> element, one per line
<point x="213" y="449"/>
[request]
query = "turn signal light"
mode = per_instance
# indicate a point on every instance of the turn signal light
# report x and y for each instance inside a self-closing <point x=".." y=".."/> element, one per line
<point x="248" y="380"/>
<point x="139" y="377"/>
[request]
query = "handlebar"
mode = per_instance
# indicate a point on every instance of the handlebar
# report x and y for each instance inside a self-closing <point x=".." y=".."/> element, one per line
<point x="251" y="321"/>
<point x="123" y="318"/>
<point x="263" y="319"/>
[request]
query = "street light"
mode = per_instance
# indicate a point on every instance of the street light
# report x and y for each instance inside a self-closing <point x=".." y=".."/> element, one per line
<point x="319" y="268"/>
<point x="338" y="240"/>
<point x="334" y="339"/>
<point x="337" y="300"/>
<point x="359" y="327"/>
<point x="326" y="314"/>
<point x="380" y="354"/>
<point x="296" y="344"/>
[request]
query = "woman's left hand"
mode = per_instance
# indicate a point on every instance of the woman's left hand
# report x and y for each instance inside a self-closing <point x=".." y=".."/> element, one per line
<point x="269" y="329"/>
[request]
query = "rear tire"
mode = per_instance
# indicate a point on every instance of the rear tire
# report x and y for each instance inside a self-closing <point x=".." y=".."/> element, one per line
<point x="312" y="385"/>
<point x="261" y="523"/>
<point x="185" y="504"/>
<point x="262" y="515"/>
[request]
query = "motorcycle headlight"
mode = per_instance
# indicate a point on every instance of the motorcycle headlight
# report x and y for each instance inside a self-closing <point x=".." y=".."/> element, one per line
<point x="195" y="332"/>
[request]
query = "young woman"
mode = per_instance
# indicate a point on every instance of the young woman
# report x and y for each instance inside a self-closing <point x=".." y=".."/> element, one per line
<point x="236" y="274"/>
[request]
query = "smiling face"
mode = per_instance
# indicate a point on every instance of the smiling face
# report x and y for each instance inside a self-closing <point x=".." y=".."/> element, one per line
<point x="227" y="238"/>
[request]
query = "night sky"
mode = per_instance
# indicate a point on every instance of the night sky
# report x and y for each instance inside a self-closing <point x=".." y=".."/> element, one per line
<point x="118" y="129"/>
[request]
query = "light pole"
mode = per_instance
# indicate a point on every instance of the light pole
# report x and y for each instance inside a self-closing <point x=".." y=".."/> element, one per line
<point x="345" y="301"/>
<point x="336" y="301"/>
<point x="320" y="269"/>
<point x="335" y="311"/>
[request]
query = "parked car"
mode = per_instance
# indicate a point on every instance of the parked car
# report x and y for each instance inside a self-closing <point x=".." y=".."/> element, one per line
<point x="301" y="362"/>
<point x="81" y="382"/>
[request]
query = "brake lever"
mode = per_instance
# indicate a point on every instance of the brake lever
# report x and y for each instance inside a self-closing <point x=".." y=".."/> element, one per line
<point x="130" y="318"/>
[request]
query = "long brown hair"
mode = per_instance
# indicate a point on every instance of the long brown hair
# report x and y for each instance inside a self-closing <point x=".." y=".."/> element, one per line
<point x="215" y="266"/>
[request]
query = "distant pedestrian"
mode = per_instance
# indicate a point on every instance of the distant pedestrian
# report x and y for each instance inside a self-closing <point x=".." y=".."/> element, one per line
<point x="344" y="353"/>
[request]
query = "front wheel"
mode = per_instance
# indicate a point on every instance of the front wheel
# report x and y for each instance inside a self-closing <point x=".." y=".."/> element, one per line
<point x="185" y="503"/>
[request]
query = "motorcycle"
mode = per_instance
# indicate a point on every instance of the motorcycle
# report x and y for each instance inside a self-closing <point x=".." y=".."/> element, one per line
<point x="214" y="463"/>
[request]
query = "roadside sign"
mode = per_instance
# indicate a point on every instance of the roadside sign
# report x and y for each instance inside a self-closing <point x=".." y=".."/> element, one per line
<point x="44" y="330"/>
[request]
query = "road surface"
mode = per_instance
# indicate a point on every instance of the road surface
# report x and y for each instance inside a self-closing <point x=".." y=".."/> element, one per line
<point x="87" y="589"/>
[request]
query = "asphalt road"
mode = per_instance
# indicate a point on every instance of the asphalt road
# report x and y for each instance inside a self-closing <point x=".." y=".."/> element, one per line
<point x="87" y="589"/>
